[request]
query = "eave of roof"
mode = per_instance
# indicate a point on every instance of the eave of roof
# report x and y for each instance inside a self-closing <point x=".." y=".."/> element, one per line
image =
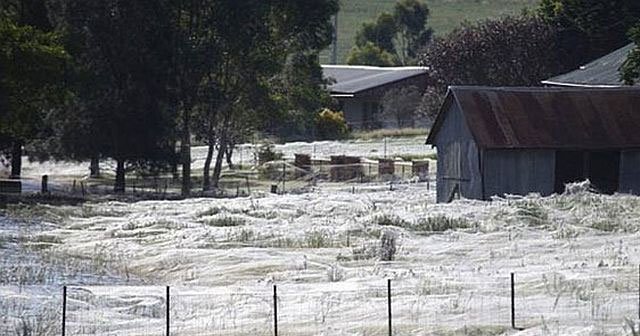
<point x="600" y="73"/>
<point x="358" y="79"/>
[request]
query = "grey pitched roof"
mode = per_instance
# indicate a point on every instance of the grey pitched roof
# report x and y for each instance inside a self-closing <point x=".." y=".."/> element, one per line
<point x="553" y="117"/>
<point x="603" y="72"/>
<point x="352" y="79"/>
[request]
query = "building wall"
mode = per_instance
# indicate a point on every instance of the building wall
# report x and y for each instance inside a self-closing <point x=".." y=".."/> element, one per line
<point x="359" y="112"/>
<point x="458" y="159"/>
<point x="518" y="171"/>
<point x="630" y="172"/>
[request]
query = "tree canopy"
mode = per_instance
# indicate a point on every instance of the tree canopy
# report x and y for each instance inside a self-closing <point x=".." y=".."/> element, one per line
<point x="588" y="29"/>
<point x="394" y="38"/>
<point x="33" y="66"/>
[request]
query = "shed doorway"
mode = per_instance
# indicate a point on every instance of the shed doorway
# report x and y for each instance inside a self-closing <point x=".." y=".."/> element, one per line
<point x="602" y="168"/>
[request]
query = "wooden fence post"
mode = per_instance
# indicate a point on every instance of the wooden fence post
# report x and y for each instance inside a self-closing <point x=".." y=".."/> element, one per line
<point x="389" y="306"/>
<point x="275" y="310"/>
<point x="513" y="302"/>
<point x="168" y="313"/>
<point x="45" y="184"/>
<point x="64" y="310"/>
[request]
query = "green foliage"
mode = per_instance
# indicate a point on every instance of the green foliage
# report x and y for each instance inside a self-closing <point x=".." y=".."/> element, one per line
<point x="630" y="69"/>
<point x="445" y="15"/>
<point x="331" y="125"/>
<point x="510" y="51"/>
<point x="266" y="153"/>
<point x="381" y="33"/>
<point x="32" y="64"/>
<point x="299" y="92"/>
<point x="399" y="35"/>
<point x="590" y="28"/>
<point x="370" y="54"/>
<point x="411" y="18"/>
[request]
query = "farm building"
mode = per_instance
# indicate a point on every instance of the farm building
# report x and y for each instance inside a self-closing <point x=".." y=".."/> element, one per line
<point x="601" y="73"/>
<point x="496" y="141"/>
<point x="359" y="90"/>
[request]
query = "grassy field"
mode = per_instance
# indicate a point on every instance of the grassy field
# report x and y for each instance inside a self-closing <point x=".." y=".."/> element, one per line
<point x="445" y="15"/>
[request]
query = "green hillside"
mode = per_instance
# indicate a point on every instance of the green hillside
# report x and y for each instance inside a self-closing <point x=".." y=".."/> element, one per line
<point x="445" y="15"/>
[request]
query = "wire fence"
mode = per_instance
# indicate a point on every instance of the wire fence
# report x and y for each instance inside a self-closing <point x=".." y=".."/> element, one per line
<point x="283" y="176"/>
<point x="552" y="303"/>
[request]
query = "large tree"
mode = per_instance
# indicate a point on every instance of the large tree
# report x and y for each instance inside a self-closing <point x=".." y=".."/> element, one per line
<point x="32" y="63"/>
<point x="589" y="28"/>
<point x="400" y="34"/>
<point x="123" y="53"/>
<point x="510" y="51"/>
<point x="630" y="69"/>
<point x="255" y="39"/>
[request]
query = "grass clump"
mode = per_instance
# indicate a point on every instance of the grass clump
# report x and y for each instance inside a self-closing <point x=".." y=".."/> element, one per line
<point x="532" y="213"/>
<point x="225" y="221"/>
<point x="419" y="157"/>
<point x="391" y="220"/>
<point x="390" y="133"/>
<point x="210" y="212"/>
<point x="318" y="239"/>
<point x="441" y="223"/>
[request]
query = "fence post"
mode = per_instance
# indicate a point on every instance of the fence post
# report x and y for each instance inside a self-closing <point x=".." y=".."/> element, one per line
<point x="168" y="316"/>
<point x="45" y="184"/>
<point x="385" y="148"/>
<point x="284" y="176"/>
<point x="275" y="310"/>
<point x="513" y="302"/>
<point x="389" y="305"/>
<point x="64" y="310"/>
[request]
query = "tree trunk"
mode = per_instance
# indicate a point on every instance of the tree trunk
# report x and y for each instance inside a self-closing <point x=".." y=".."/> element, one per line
<point x="16" y="160"/>
<point x="228" y="154"/>
<point x="217" y="169"/>
<point x="94" y="167"/>
<point x="119" y="186"/>
<point x="206" y="179"/>
<point x="185" y="152"/>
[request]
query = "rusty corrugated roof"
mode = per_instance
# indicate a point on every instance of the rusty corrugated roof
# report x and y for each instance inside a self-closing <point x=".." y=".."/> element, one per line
<point x="569" y="118"/>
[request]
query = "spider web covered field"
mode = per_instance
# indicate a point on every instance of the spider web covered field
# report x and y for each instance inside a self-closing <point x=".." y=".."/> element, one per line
<point x="575" y="257"/>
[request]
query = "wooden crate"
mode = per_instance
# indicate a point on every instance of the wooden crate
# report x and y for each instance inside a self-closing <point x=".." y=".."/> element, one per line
<point x="10" y="186"/>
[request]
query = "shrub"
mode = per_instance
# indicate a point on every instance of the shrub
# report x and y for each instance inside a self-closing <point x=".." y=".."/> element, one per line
<point x="387" y="220"/>
<point x="266" y="153"/>
<point x="532" y="213"/>
<point x="387" y="246"/>
<point x="331" y="125"/>
<point x="225" y="221"/>
<point x="442" y="223"/>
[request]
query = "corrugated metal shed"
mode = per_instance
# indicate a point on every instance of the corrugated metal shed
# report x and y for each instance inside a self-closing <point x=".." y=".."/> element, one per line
<point x="603" y="72"/>
<point x="350" y="79"/>
<point x="544" y="118"/>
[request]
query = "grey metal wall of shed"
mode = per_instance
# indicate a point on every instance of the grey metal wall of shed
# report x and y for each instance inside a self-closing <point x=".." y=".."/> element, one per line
<point x="518" y="172"/>
<point x="458" y="158"/>
<point x="630" y="172"/>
